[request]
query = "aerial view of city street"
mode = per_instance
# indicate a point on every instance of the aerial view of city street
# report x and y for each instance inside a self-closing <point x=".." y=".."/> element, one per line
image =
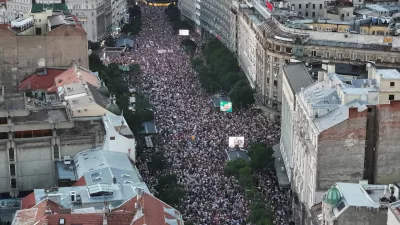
<point x="199" y="112"/>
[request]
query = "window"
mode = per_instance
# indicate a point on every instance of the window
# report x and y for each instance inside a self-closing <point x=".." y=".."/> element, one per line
<point x="348" y="14"/>
<point x="313" y="14"/>
<point x="112" y="138"/>
<point x="366" y="57"/>
<point x="391" y="97"/>
<point x="267" y="80"/>
<point x="307" y="6"/>
<point x="40" y="20"/>
<point x="327" y="55"/>
<point x="277" y="47"/>
<point x="339" y="55"/>
<point x="12" y="169"/>
<point x="306" y="14"/>
<point x="391" y="84"/>
<point x="299" y="6"/>
<point x="353" y="56"/>
<point x="11" y="154"/>
<point x="313" y="53"/>
<point x="275" y="83"/>
<point x="313" y="6"/>
<point x="56" y="151"/>
<point x="320" y="6"/>
<point x="13" y="183"/>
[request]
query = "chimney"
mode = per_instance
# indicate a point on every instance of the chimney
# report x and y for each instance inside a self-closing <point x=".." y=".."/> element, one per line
<point x="321" y="76"/>
<point x="371" y="70"/>
<point x="331" y="68"/>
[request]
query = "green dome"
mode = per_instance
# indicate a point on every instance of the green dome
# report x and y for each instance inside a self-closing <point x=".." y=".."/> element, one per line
<point x="332" y="196"/>
<point x="103" y="90"/>
<point x="114" y="109"/>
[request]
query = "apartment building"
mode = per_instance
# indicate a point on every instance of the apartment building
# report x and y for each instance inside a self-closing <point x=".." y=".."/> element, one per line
<point x="99" y="18"/>
<point x="48" y="38"/>
<point x="343" y="131"/>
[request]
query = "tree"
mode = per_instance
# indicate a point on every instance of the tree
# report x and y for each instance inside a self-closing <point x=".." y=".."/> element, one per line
<point x="261" y="157"/>
<point x="229" y="79"/>
<point x="241" y="94"/>
<point x="197" y="64"/>
<point x="189" y="45"/>
<point x="233" y="167"/>
<point x="158" y="162"/>
<point x="260" y="214"/>
<point x="110" y="41"/>
<point x="95" y="63"/>
<point x="168" y="190"/>
<point x="93" y="45"/>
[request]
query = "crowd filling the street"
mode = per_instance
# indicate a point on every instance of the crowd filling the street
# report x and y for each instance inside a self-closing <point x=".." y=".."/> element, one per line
<point x="183" y="111"/>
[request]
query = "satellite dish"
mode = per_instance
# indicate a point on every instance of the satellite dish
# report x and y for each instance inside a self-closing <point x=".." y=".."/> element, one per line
<point x="364" y="17"/>
<point x="311" y="27"/>
<point x="368" y="65"/>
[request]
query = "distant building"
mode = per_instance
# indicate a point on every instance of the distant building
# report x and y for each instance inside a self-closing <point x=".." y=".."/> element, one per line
<point x="354" y="203"/>
<point x="46" y="38"/>
<point x="3" y="12"/>
<point x="109" y="191"/>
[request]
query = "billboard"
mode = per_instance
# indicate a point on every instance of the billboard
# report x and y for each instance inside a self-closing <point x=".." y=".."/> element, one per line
<point x="184" y="32"/>
<point x="236" y="141"/>
<point x="225" y="106"/>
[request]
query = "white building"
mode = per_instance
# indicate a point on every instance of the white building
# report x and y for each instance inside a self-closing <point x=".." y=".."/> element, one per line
<point x="295" y="78"/>
<point x="17" y="8"/>
<point x="99" y="17"/>
<point x="3" y="12"/>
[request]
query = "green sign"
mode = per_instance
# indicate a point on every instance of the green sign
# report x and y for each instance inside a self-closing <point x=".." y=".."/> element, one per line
<point x="225" y="106"/>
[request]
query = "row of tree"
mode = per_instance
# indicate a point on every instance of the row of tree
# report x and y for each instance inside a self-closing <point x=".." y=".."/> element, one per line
<point x="261" y="161"/>
<point x="219" y="71"/>
<point x="135" y="21"/>
<point x="174" y="16"/>
<point x="117" y="82"/>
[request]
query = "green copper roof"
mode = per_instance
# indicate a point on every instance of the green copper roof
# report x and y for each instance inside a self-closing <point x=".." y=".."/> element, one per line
<point x="332" y="196"/>
<point x="56" y="6"/>
<point x="113" y="108"/>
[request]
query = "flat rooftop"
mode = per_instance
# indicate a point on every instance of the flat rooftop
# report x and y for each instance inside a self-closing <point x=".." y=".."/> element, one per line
<point x="43" y="115"/>
<point x="13" y="102"/>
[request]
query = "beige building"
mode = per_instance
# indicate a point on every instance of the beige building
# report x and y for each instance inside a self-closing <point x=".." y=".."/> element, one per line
<point x="265" y="45"/>
<point x="61" y="43"/>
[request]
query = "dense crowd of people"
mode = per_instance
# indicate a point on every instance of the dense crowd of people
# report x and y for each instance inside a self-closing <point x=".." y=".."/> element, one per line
<point x="184" y="111"/>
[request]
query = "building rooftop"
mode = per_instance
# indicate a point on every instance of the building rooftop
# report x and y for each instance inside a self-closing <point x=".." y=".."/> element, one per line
<point x="326" y="102"/>
<point x="15" y="101"/>
<point x="98" y="166"/>
<point x="42" y="79"/>
<point x="36" y="8"/>
<point x="73" y="75"/>
<point x="298" y="76"/>
<point x="43" y="115"/>
<point x="65" y="172"/>
<point x="390" y="74"/>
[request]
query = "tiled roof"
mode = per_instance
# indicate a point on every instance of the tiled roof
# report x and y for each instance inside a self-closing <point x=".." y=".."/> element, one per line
<point x="71" y="76"/>
<point x="28" y="201"/>
<point x="156" y="211"/>
<point x="80" y="182"/>
<point x="40" y="82"/>
<point x="71" y="219"/>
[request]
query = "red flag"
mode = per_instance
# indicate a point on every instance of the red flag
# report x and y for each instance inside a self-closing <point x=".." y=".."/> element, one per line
<point x="269" y="5"/>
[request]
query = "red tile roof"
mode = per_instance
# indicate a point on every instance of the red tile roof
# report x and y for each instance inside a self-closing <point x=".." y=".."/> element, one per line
<point x="28" y="201"/>
<point x="80" y="182"/>
<point x="71" y="76"/>
<point x="40" y="82"/>
<point x="72" y="219"/>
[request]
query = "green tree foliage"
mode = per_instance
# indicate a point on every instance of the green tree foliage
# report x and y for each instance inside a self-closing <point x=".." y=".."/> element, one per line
<point x="110" y="41"/>
<point x="5" y="222"/>
<point x="223" y="73"/>
<point x="233" y="167"/>
<point x="168" y="190"/>
<point x="261" y="157"/>
<point x="114" y="79"/>
<point x="173" y="12"/>
<point x="134" y="25"/>
<point x="93" y="45"/>
<point x="241" y="94"/>
<point x="260" y="214"/>
<point x="158" y="162"/>
<point x="189" y="45"/>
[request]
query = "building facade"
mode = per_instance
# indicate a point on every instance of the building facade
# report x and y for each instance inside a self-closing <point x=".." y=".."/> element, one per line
<point x="343" y="131"/>
<point x="21" y="55"/>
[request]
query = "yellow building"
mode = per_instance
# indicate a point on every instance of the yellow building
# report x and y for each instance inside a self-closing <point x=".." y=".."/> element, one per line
<point x="374" y="30"/>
